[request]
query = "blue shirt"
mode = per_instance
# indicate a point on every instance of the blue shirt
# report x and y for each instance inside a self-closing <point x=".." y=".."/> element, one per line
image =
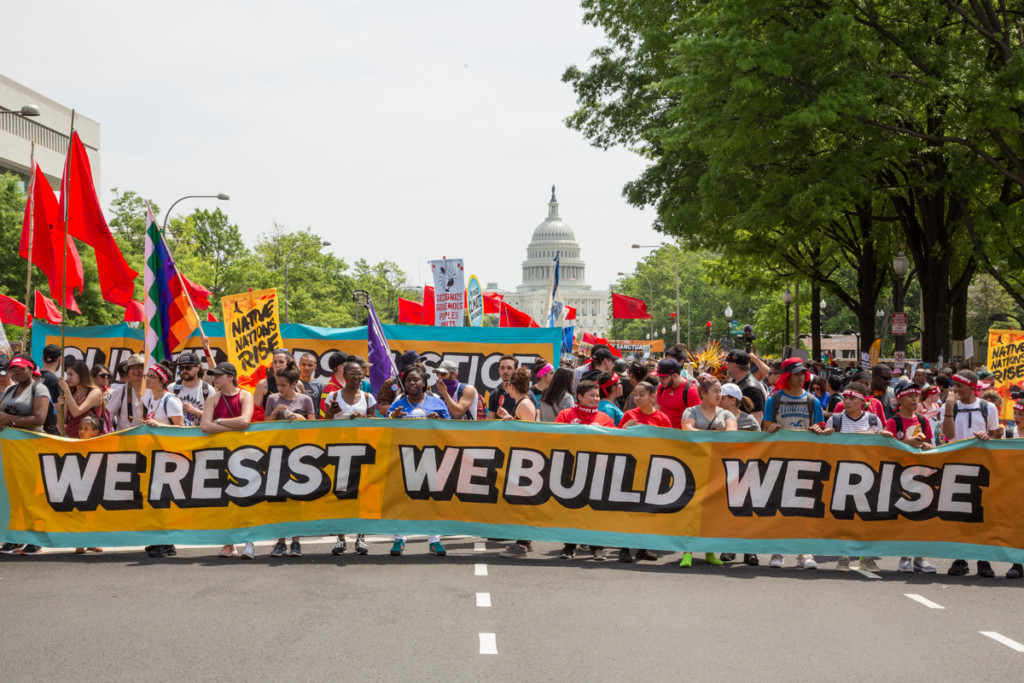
<point x="792" y="411"/>
<point x="611" y="410"/>
<point x="430" y="404"/>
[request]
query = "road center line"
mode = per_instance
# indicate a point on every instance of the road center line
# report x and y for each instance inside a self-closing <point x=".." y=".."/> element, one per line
<point x="483" y="599"/>
<point x="488" y="644"/>
<point x="480" y="570"/>
<point x="479" y="547"/>
<point x="924" y="601"/>
<point x="999" y="638"/>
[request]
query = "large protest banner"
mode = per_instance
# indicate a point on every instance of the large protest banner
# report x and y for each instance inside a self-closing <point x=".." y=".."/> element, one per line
<point x="252" y="332"/>
<point x="1006" y="363"/>
<point x="476" y="350"/>
<point x="642" y="487"/>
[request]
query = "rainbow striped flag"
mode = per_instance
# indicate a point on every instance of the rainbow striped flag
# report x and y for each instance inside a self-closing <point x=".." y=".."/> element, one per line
<point x="168" y="312"/>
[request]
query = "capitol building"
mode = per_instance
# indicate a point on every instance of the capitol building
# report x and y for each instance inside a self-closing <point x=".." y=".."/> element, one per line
<point x="554" y="236"/>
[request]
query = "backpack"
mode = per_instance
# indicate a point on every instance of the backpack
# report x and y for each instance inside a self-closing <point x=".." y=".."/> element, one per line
<point x="176" y="389"/>
<point x="873" y="421"/>
<point x="983" y="409"/>
<point x="811" y="401"/>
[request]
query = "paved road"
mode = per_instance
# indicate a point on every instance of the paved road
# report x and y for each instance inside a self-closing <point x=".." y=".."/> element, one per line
<point x="119" y="614"/>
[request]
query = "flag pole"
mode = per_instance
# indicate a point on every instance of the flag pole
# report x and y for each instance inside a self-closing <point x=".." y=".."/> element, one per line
<point x="31" y="238"/>
<point x="66" y="196"/>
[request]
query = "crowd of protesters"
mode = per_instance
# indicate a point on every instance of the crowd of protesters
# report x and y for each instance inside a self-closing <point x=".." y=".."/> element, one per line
<point x="935" y="405"/>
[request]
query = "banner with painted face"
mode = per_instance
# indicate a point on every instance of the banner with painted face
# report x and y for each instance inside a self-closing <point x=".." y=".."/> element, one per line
<point x="1006" y="363"/>
<point x="642" y="487"/>
<point x="476" y="350"/>
<point x="449" y="292"/>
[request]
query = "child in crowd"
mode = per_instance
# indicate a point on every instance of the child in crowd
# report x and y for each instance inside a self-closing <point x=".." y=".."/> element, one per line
<point x="611" y="389"/>
<point x="644" y="413"/>
<point x="89" y="428"/>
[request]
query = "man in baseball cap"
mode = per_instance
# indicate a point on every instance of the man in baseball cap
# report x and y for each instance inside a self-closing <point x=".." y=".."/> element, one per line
<point x="737" y="366"/>
<point x="675" y="394"/>
<point x="191" y="390"/>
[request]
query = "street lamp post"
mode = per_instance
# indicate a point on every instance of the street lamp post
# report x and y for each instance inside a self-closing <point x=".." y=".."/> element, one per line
<point x="649" y="311"/>
<point x="787" y="298"/>
<point x="223" y="197"/>
<point x="675" y="262"/>
<point x="286" y="259"/>
<point x="728" y="321"/>
<point x="900" y="266"/>
<point x="26" y="110"/>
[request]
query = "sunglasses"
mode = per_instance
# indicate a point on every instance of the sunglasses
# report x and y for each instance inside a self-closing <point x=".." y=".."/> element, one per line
<point x="188" y="366"/>
<point x="103" y="375"/>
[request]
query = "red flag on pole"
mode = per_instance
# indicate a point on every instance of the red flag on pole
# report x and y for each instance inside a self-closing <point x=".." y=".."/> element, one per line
<point x="46" y="309"/>
<point x="594" y="340"/>
<point x="12" y="311"/>
<point x="513" y="317"/>
<point x="427" y="314"/>
<point x="42" y="213"/>
<point x="492" y="302"/>
<point x="627" y="308"/>
<point x="572" y="313"/>
<point x="410" y="312"/>
<point x="86" y="222"/>
<point x="210" y="317"/>
<point x="200" y="295"/>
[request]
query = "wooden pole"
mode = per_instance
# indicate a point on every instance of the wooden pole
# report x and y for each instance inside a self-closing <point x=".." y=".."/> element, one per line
<point x="66" y="196"/>
<point x="31" y="238"/>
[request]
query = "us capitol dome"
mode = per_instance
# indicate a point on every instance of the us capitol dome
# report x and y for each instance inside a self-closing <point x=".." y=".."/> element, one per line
<point x="554" y="236"/>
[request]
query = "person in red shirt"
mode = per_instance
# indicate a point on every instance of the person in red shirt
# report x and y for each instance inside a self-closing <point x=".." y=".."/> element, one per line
<point x="645" y="413"/>
<point x="585" y="412"/>
<point x="675" y="394"/>
<point x="337" y="365"/>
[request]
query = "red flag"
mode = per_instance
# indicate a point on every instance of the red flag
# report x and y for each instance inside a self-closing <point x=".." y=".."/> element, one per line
<point x="572" y="313"/>
<point x="210" y="317"/>
<point x="427" y="315"/>
<point x="46" y="309"/>
<point x="12" y="311"/>
<point x="200" y="295"/>
<point x="627" y="308"/>
<point x="86" y="222"/>
<point x="513" y="317"/>
<point x="492" y="302"/>
<point x="134" y="312"/>
<point x="410" y="312"/>
<point x="593" y="339"/>
<point x="47" y="238"/>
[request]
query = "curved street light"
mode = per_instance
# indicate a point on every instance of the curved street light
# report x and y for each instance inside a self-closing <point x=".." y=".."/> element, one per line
<point x="26" y="110"/>
<point x="223" y="197"/>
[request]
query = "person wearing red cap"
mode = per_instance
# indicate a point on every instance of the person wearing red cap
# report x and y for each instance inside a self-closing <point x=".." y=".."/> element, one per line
<point x="24" y="405"/>
<point x="792" y="408"/>
<point x="965" y="418"/>
<point x="675" y="394"/>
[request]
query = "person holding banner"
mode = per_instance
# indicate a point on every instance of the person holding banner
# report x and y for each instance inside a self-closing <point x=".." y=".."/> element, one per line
<point x="336" y="362"/>
<point x="558" y="396"/>
<point x="793" y="409"/>
<point x="161" y="408"/>
<point x="966" y="416"/>
<point x="25" y="405"/>
<point x="644" y="413"/>
<point x="611" y="389"/>
<point x="80" y="397"/>
<point x="268" y="385"/>
<point x="518" y="387"/>
<point x="125" y="400"/>
<point x="228" y="409"/>
<point x="307" y="366"/>
<point x="416" y="403"/>
<point x="461" y="399"/>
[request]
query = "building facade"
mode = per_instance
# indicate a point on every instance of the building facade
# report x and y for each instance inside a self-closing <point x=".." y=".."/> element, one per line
<point x="554" y="236"/>
<point x="49" y="130"/>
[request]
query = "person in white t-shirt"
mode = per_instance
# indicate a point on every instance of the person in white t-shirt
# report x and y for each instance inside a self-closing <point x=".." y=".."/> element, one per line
<point x="969" y="417"/>
<point x="160" y="407"/>
<point x="192" y="390"/>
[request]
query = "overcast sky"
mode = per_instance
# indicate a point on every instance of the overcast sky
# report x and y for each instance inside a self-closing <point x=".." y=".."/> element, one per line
<point x="399" y="130"/>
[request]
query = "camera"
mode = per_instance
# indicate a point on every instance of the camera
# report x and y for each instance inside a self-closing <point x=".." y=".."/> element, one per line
<point x="748" y="337"/>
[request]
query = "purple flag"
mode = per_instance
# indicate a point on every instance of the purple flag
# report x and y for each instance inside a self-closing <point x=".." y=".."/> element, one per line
<point x="382" y="366"/>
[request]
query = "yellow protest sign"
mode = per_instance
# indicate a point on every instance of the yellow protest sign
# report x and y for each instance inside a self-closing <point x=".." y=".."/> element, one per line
<point x="1006" y="363"/>
<point x="252" y="331"/>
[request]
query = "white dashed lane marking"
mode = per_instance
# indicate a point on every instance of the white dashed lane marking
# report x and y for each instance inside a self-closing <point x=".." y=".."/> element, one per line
<point x="488" y="644"/>
<point x="870" y="575"/>
<point x="480" y="570"/>
<point x="483" y="599"/>
<point x="999" y="638"/>
<point x="924" y="601"/>
<point x="479" y="547"/>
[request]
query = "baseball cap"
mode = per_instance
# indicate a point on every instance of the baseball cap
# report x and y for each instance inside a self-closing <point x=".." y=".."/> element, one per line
<point x="793" y="365"/>
<point x="668" y="366"/>
<point x="732" y="389"/>
<point x="51" y="352"/>
<point x="602" y="353"/>
<point x="224" y="369"/>
<point x="335" y="359"/>
<point x="188" y="358"/>
<point x="448" y="366"/>
<point x="409" y="358"/>
<point x="739" y="357"/>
